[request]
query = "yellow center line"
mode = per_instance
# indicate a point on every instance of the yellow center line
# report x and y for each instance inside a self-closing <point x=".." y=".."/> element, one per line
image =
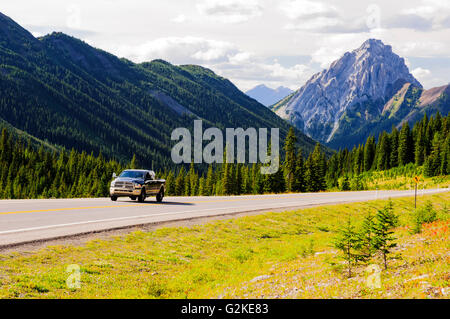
<point x="141" y="205"/>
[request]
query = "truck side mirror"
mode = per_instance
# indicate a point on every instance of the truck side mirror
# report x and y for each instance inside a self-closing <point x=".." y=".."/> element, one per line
<point x="114" y="175"/>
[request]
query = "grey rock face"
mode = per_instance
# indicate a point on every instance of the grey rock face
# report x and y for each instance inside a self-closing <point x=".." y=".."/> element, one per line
<point x="370" y="75"/>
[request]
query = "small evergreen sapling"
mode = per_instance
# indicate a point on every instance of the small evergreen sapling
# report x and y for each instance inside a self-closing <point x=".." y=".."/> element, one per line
<point x="366" y="237"/>
<point x="384" y="240"/>
<point x="348" y="243"/>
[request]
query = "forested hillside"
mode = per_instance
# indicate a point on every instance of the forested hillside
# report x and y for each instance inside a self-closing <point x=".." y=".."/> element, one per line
<point x="427" y="144"/>
<point x="29" y="173"/>
<point x="61" y="90"/>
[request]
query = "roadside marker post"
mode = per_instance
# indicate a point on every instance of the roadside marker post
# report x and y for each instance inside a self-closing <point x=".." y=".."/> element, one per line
<point x="416" y="180"/>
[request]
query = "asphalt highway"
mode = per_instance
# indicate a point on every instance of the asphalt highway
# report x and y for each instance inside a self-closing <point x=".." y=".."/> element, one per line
<point x="23" y="221"/>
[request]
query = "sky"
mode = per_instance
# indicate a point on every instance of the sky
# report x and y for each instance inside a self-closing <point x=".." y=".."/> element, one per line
<point x="251" y="42"/>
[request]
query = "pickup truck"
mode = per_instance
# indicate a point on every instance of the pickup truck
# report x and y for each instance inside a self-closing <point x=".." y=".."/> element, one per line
<point x="137" y="184"/>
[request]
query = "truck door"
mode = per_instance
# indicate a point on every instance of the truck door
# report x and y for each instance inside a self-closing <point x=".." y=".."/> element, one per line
<point x="151" y="184"/>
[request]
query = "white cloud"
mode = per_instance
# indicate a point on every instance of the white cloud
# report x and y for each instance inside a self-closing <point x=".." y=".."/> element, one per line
<point x="180" y="50"/>
<point x="426" y="77"/>
<point x="181" y="18"/>
<point x="230" y="11"/>
<point x="244" y="68"/>
<point x="420" y="73"/>
<point x="304" y="9"/>
<point x="192" y="32"/>
<point x="435" y="12"/>
<point x="255" y="72"/>
<point x="320" y="17"/>
<point x="420" y="48"/>
<point x="310" y="15"/>
<point x="332" y="47"/>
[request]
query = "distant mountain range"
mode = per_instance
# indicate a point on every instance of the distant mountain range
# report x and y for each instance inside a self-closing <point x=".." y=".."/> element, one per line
<point x="59" y="90"/>
<point x="363" y="93"/>
<point x="267" y="96"/>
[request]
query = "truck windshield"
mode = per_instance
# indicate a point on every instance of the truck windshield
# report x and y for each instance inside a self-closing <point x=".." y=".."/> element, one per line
<point x="132" y="174"/>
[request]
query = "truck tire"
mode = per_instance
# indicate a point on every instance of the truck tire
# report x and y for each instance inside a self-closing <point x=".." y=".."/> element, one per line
<point x="113" y="198"/>
<point x="142" y="196"/>
<point x="160" y="196"/>
<point x="133" y="197"/>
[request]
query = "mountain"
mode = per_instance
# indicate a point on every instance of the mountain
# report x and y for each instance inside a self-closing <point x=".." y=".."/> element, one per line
<point x="268" y="96"/>
<point x="63" y="91"/>
<point x="363" y="93"/>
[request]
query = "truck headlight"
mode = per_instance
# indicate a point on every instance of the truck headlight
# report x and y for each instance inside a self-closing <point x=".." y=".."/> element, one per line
<point x="113" y="184"/>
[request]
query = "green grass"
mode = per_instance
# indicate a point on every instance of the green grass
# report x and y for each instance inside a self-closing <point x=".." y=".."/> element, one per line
<point x="220" y="259"/>
<point x="399" y="178"/>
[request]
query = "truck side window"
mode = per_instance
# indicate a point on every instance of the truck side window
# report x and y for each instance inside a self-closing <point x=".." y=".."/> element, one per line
<point x="148" y="177"/>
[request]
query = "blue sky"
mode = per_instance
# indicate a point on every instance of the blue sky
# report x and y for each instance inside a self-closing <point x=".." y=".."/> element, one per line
<point x="251" y="42"/>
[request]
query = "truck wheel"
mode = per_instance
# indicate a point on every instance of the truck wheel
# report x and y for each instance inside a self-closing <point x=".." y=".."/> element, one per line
<point x="142" y="196"/>
<point x="160" y="196"/>
<point x="113" y="198"/>
<point x="133" y="197"/>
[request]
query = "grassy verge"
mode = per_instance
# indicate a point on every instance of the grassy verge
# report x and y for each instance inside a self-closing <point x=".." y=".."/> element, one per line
<point x="401" y="178"/>
<point x="271" y="255"/>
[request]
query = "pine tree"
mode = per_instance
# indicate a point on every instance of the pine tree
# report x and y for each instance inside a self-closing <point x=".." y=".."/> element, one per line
<point x="179" y="182"/>
<point x="394" y="147"/>
<point x="345" y="184"/>
<point x="383" y="152"/>
<point x="299" y="180"/>
<point x="405" y="146"/>
<point x="238" y="179"/>
<point x="419" y="150"/>
<point x="187" y="184"/>
<point x="133" y="163"/>
<point x="366" y="237"/>
<point x="246" y="180"/>
<point x="384" y="240"/>
<point x="315" y="170"/>
<point x="227" y="183"/>
<point x="208" y="191"/>
<point x="193" y="180"/>
<point x="445" y="157"/>
<point x="170" y="184"/>
<point x="201" y="186"/>
<point x="290" y="160"/>
<point x="433" y="163"/>
<point x="347" y="242"/>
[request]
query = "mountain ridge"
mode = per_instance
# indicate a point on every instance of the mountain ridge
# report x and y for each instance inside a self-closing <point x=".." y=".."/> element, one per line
<point x="60" y="89"/>
<point x="268" y="96"/>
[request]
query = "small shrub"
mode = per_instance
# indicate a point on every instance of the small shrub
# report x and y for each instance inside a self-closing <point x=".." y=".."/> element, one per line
<point x="344" y="184"/>
<point x="156" y="289"/>
<point x="424" y="215"/>
<point x="324" y="229"/>
<point x="242" y="254"/>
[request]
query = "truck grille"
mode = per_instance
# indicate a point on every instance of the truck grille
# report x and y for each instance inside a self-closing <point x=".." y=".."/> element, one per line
<point x="124" y="185"/>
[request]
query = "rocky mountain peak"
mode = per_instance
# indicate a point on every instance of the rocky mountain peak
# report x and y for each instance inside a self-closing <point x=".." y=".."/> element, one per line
<point x="360" y="82"/>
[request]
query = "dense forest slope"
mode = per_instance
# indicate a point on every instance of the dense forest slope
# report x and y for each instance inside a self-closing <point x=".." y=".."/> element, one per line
<point x="61" y="90"/>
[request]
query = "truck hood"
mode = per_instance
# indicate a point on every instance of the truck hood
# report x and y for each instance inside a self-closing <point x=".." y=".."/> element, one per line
<point x="127" y="179"/>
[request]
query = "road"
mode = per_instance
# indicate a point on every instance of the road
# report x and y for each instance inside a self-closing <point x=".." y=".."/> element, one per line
<point x="23" y="221"/>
